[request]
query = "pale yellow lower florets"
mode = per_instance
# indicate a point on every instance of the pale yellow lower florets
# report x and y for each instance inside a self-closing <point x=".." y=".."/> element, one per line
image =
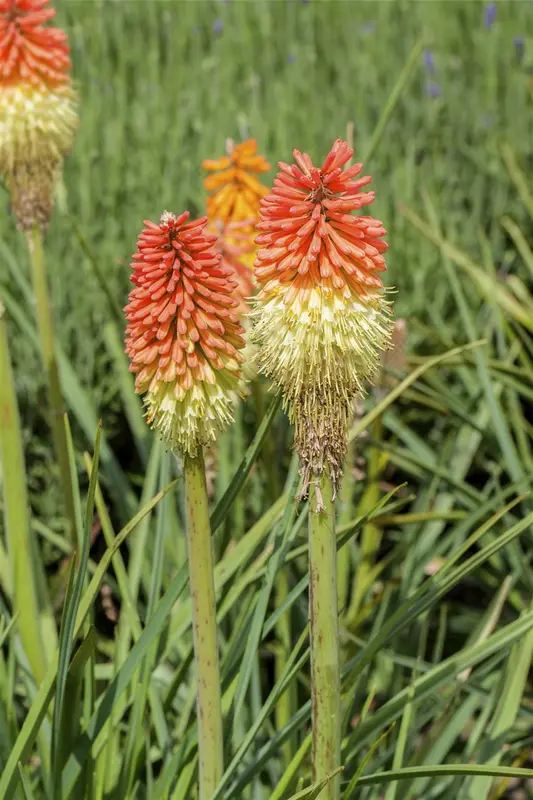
<point x="320" y="350"/>
<point x="324" y="340"/>
<point x="37" y="128"/>
<point x="36" y="125"/>
<point x="190" y="419"/>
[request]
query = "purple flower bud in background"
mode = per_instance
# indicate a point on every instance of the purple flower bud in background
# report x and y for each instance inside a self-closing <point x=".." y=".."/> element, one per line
<point x="490" y="15"/>
<point x="433" y="89"/>
<point x="218" y="26"/>
<point x="518" y="42"/>
<point x="291" y="59"/>
<point x="429" y="61"/>
<point x="368" y="27"/>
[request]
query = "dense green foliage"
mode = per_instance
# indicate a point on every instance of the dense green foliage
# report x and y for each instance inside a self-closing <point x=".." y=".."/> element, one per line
<point x="435" y="661"/>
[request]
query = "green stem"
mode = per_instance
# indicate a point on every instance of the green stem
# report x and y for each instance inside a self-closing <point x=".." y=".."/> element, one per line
<point x="324" y="626"/>
<point x="210" y="737"/>
<point x="55" y="397"/>
<point x="16" y="515"/>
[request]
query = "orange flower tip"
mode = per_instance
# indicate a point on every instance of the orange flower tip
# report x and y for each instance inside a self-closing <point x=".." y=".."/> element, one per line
<point x="183" y="337"/>
<point x="321" y="318"/>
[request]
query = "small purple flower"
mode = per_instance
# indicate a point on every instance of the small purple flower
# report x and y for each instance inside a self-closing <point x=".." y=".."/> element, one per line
<point x="291" y="58"/>
<point x="218" y="26"/>
<point x="490" y="15"/>
<point x="433" y="89"/>
<point x="429" y="61"/>
<point x="368" y="27"/>
<point x="518" y="42"/>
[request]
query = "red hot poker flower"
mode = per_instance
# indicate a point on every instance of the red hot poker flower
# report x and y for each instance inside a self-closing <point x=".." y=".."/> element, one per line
<point x="321" y="317"/>
<point x="37" y="107"/>
<point x="183" y="336"/>
<point x="310" y="235"/>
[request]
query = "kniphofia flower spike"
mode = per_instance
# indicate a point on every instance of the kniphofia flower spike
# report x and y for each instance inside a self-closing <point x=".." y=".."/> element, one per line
<point x="37" y="107"/>
<point x="321" y="318"/>
<point x="235" y="191"/>
<point x="183" y="334"/>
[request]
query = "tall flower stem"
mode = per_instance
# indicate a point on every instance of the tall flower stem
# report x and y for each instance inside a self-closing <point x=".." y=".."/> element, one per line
<point x="324" y="625"/>
<point x="208" y="700"/>
<point x="55" y="397"/>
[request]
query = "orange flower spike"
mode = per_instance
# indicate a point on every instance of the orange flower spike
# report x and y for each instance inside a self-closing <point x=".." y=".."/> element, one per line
<point x="236" y="191"/>
<point x="37" y="107"/>
<point x="321" y="318"/>
<point x="183" y="335"/>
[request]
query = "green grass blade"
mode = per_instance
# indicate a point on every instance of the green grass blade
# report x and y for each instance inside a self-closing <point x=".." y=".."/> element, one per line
<point x="223" y="506"/>
<point x="314" y="791"/>
<point x="72" y="603"/>
<point x="444" y="769"/>
<point x="37" y="711"/>
<point x="279" y="546"/>
<point x="16" y="515"/>
<point x="437" y="676"/>
<point x="393" y="99"/>
<point x="121" y="681"/>
<point x="393" y="395"/>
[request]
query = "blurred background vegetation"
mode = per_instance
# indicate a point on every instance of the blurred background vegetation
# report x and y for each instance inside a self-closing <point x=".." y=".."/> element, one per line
<point x="440" y="98"/>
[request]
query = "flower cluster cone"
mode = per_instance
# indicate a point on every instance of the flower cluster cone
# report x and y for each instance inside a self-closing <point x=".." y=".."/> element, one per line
<point x="321" y="316"/>
<point x="183" y="335"/>
<point x="234" y="189"/>
<point x="235" y="192"/>
<point x="37" y="107"/>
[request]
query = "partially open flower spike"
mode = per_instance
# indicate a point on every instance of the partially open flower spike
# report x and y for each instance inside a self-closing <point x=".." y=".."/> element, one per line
<point x="38" y="116"/>
<point x="183" y="338"/>
<point x="321" y="317"/>
<point x="320" y="322"/>
<point x="183" y="335"/>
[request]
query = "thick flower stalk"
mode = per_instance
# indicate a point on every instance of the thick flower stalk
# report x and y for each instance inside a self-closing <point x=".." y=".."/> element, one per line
<point x="321" y="318"/>
<point x="320" y="322"/>
<point x="37" y="107"/>
<point x="183" y="335"/>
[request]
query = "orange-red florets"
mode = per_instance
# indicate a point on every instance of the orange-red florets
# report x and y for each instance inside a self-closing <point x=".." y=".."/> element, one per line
<point x="309" y="235"/>
<point x="183" y="334"/>
<point x="29" y="52"/>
